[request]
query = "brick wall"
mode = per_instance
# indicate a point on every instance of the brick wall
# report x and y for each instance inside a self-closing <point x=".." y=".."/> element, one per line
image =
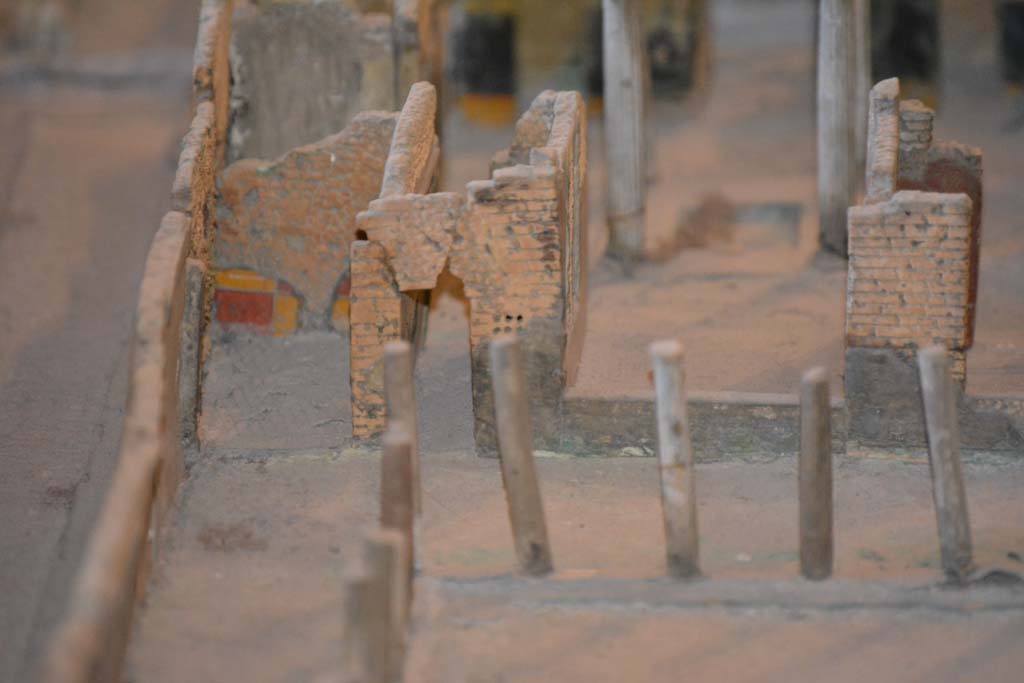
<point x="512" y="272"/>
<point x="908" y="277"/>
<point x="914" y="245"/>
<point x="916" y="123"/>
<point x="375" y="318"/>
<point x="514" y="240"/>
<point x="510" y="251"/>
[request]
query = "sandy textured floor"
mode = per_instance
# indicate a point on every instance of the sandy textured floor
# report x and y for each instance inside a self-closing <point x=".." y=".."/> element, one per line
<point x="250" y="581"/>
<point x="89" y="150"/>
<point x="482" y="638"/>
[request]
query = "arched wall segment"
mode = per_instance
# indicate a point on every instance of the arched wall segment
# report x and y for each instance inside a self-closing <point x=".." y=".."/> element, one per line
<point x="516" y="242"/>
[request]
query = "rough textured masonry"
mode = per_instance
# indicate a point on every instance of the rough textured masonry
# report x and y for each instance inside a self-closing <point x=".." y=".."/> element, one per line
<point x="292" y="221"/>
<point x="913" y="273"/>
<point x="285" y="227"/>
<point x="283" y="97"/>
<point x="909" y="273"/>
<point x="914" y="244"/>
<point x="515" y="241"/>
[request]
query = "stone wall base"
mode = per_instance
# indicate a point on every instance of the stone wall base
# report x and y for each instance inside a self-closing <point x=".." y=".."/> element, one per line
<point x="883" y="401"/>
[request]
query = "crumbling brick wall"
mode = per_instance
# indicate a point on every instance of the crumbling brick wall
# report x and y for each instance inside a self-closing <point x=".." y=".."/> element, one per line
<point x="376" y="317"/>
<point x="289" y="76"/>
<point x="515" y="241"/>
<point x="909" y="283"/>
<point x="903" y="155"/>
<point x="914" y="245"/>
<point x="292" y="222"/>
<point x="404" y="227"/>
<point x="913" y="270"/>
<point x="512" y="273"/>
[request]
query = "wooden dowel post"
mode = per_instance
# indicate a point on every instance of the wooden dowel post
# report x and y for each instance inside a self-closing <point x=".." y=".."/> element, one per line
<point x="400" y="400"/>
<point x="836" y="113"/>
<point x="675" y="461"/>
<point x="368" y="647"/>
<point x="862" y="86"/>
<point x="815" y="475"/>
<point x="515" y="445"/>
<point x="396" y="495"/>
<point x="385" y="558"/>
<point x="940" y="413"/>
<point x="624" y="125"/>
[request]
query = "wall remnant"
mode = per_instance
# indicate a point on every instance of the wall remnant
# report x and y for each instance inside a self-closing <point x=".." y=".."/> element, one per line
<point x="292" y="221"/>
<point x="912" y="276"/>
<point x="516" y="241"/>
<point x="914" y="245"/>
<point x="285" y="227"/>
<point x="908" y="279"/>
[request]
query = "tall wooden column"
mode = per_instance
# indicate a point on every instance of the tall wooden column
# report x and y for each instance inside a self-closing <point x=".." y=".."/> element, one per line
<point x="862" y="87"/>
<point x="836" y="113"/>
<point x="815" y="476"/>
<point x="624" y="125"/>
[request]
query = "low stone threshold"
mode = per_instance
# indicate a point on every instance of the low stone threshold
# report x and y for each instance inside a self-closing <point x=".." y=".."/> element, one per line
<point x="731" y="425"/>
<point x="990" y="590"/>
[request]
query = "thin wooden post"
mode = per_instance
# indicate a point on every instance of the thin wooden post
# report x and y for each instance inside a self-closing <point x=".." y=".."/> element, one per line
<point x="815" y="475"/>
<point x="400" y="400"/>
<point x="515" y="445"/>
<point x="385" y="557"/>
<point x="675" y="461"/>
<point x="835" y="121"/>
<point x="862" y="87"/>
<point x="396" y="497"/>
<point x="940" y="414"/>
<point x="624" y="125"/>
<point x="367" y="644"/>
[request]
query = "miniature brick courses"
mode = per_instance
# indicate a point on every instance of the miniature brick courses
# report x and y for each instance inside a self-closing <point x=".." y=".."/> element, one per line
<point x="376" y="318"/>
<point x="912" y="277"/>
<point x="908" y="272"/>
<point x="514" y="240"/>
<point x="914" y="245"/>
<point x="513" y="279"/>
<point x="916" y="123"/>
